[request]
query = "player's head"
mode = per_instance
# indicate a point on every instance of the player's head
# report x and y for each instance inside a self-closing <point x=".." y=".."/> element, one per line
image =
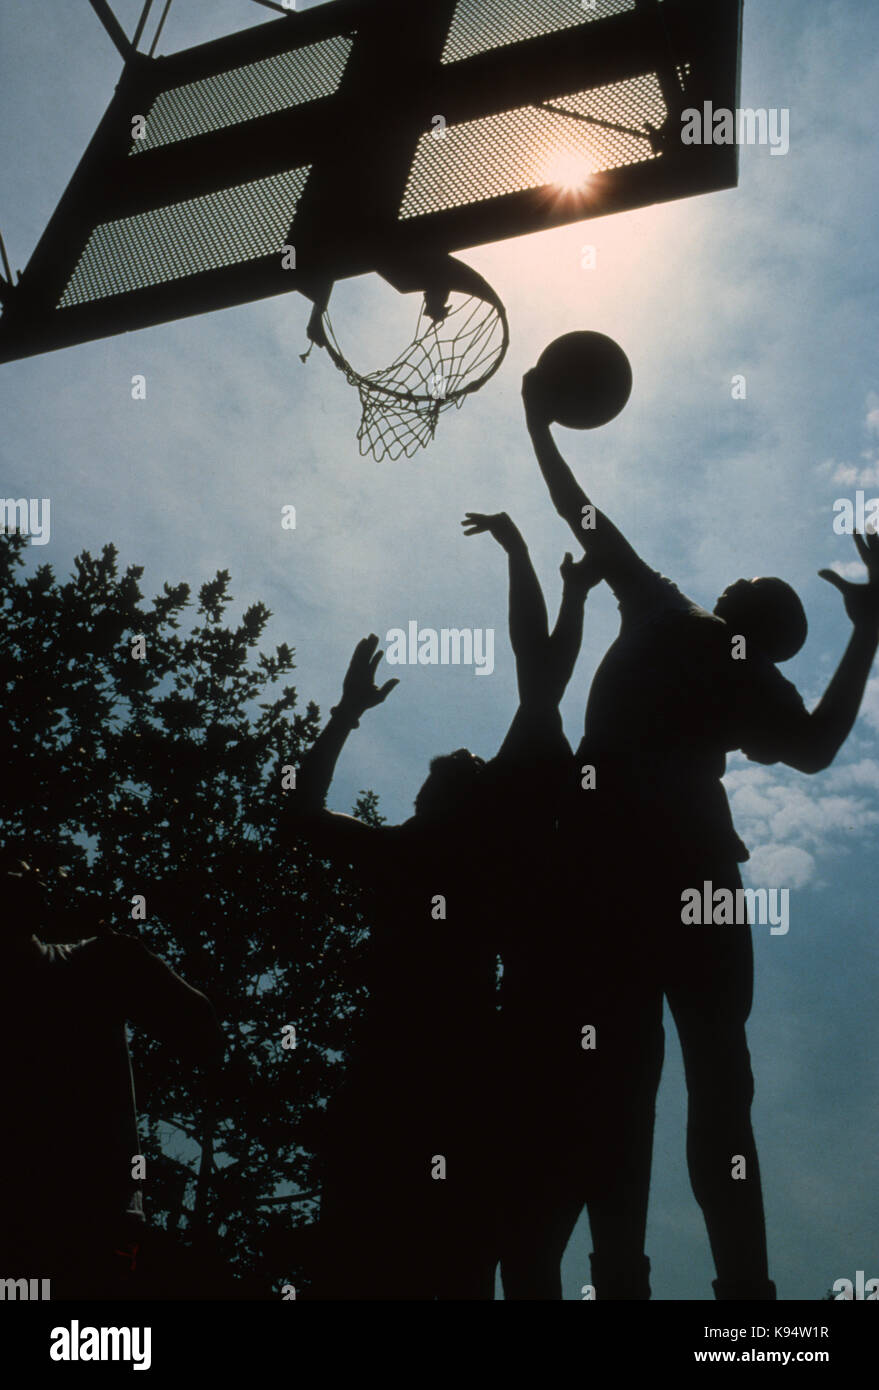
<point x="767" y="613"/>
<point x="450" y="781"/>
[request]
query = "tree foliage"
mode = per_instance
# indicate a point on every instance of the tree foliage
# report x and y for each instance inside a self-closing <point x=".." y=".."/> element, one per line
<point x="160" y="776"/>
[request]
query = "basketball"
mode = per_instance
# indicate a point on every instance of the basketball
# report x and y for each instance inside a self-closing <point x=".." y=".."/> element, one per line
<point x="586" y="379"/>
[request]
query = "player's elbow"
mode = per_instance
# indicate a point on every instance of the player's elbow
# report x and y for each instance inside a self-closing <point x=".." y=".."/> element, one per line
<point x="810" y="759"/>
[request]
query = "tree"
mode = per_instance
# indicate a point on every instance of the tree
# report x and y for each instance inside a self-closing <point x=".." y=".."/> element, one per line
<point x="148" y="760"/>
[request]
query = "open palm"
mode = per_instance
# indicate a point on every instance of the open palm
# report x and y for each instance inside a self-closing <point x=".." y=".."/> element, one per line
<point x="861" y="600"/>
<point x="359" y="690"/>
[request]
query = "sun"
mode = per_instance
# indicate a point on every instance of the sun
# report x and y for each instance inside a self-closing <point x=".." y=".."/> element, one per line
<point x="570" y="173"/>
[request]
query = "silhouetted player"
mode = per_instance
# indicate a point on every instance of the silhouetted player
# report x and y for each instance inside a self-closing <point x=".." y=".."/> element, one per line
<point x="423" y="1083"/>
<point x="666" y="704"/>
<point x="70" y="1210"/>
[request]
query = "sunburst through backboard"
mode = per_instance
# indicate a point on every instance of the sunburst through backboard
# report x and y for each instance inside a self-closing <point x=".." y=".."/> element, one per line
<point x="369" y="135"/>
<point x="374" y="135"/>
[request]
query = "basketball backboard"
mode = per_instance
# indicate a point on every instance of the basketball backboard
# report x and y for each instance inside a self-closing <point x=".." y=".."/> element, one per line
<point x="365" y="135"/>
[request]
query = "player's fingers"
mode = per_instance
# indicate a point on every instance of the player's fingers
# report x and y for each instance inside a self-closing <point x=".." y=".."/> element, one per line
<point x="863" y="549"/>
<point x="835" y="579"/>
<point x="373" y="665"/>
<point x="387" y="688"/>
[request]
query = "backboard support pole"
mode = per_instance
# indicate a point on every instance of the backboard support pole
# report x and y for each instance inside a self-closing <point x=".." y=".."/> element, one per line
<point x="158" y="34"/>
<point x="6" y="266"/>
<point x="286" y="10"/>
<point x="113" y="28"/>
<point x="7" y="284"/>
<point x="141" y="24"/>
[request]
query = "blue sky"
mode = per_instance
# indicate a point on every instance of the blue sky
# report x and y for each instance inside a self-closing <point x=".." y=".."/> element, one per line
<point x="775" y="280"/>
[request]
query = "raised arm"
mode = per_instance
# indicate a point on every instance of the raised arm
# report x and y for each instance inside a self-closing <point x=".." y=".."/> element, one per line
<point x="359" y="693"/>
<point x="567" y="635"/>
<point x="302" y="809"/>
<point x="544" y="662"/>
<point x="832" y="720"/>
<point x="620" y="564"/>
<point x="528" y="620"/>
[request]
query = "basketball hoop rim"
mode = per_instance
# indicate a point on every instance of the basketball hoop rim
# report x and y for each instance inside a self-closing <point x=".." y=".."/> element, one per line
<point x="454" y="276"/>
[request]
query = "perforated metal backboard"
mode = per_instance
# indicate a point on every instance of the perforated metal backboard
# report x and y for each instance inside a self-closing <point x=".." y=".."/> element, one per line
<point x="366" y="135"/>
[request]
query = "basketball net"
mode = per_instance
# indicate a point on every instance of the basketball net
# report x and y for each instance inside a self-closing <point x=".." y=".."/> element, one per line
<point x="461" y="338"/>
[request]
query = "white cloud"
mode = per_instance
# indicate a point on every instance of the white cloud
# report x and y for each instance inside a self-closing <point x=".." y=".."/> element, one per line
<point x="780" y="866"/>
<point x="810" y="819"/>
<point x="790" y="825"/>
<point x="851" y="569"/>
<point x="860" y="774"/>
<point x="852" y="475"/>
<point x="848" y="475"/>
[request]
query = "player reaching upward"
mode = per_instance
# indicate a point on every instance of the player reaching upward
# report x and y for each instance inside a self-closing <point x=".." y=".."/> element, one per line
<point x="677" y="690"/>
<point x="423" y="1083"/>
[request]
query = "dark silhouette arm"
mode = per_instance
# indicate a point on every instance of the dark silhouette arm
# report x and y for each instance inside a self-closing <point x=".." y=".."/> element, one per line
<point x="812" y="742"/>
<point x="359" y="693"/>
<point x="818" y="740"/>
<point x="567" y="635"/>
<point x="528" y="619"/>
<point x="620" y="564"/>
<point x="157" y="1000"/>
<point x="314" y="775"/>
<point x="302" y="810"/>
<point x="544" y="661"/>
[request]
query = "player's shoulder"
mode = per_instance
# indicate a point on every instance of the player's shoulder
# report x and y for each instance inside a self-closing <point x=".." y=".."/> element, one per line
<point x="711" y="629"/>
<point x="694" y="625"/>
<point x="653" y="595"/>
<point x="668" y="590"/>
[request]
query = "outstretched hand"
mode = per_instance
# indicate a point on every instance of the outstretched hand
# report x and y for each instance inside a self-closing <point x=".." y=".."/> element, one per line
<point x="861" y="600"/>
<point x="581" y="574"/>
<point x="498" y="524"/>
<point x="359" y="690"/>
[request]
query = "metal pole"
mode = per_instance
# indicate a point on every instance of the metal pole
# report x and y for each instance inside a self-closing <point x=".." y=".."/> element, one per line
<point x="270" y="5"/>
<point x="113" y="27"/>
<point x="160" y="28"/>
<point x="142" y="21"/>
<point x="6" y="266"/>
